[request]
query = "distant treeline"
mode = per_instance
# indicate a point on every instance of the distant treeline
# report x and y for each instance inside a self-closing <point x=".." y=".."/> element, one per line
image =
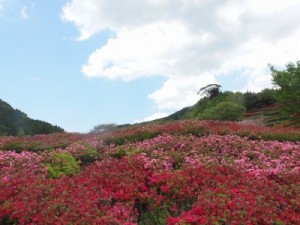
<point x="225" y="105"/>
<point x="282" y="103"/>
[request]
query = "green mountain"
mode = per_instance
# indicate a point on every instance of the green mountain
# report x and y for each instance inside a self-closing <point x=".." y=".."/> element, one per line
<point x="233" y="106"/>
<point x="14" y="122"/>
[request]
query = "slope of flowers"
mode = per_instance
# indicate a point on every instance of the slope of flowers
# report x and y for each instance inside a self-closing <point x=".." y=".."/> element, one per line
<point x="200" y="128"/>
<point x="166" y="152"/>
<point x="39" y="142"/>
<point x="173" y="177"/>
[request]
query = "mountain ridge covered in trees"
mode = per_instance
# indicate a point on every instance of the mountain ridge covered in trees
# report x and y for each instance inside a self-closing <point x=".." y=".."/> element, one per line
<point x="278" y="106"/>
<point x="232" y="106"/>
<point x="14" y="122"/>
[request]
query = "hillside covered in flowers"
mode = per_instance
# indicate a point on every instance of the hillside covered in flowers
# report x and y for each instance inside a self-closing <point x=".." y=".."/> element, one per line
<point x="185" y="172"/>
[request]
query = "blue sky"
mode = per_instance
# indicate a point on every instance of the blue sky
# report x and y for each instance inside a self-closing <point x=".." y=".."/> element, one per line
<point x="77" y="64"/>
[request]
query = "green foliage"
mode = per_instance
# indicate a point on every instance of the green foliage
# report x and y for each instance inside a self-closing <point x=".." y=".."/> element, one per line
<point x="7" y="221"/>
<point x="195" y="131"/>
<point x="156" y="216"/>
<point x="220" y="221"/>
<point x="88" y="156"/>
<point x="120" y="153"/>
<point x="205" y="103"/>
<point x="267" y="96"/>
<point x="277" y="222"/>
<point x="288" y="94"/>
<point x="279" y="137"/>
<point x="36" y="146"/>
<point x="224" y="111"/>
<point x="140" y="136"/>
<point x="14" y="145"/>
<point x="61" y="164"/>
<point x="178" y="160"/>
<point x="21" y="145"/>
<point x="264" y="101"/>
<point x="251" y="100"/>
<point x="133" y="152"/>
<point x="237" y="98"/>
<point x="258" y="100"/>
<point x="33" y="127"/>
<point x="269" y="136"/>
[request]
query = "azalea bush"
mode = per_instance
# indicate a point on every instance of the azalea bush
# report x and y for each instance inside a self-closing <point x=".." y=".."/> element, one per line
<point x="189" y="172"/>
<point x="200" y="128"/>
<point x="39" y="142"/>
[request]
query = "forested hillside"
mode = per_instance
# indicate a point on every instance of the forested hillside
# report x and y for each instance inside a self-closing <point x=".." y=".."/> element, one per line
<point x="230" y="106"/>
<point x="14" y="122"/>
<point x="278" y="106"/>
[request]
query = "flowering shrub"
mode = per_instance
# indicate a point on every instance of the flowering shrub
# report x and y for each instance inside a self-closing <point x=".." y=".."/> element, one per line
<point x="168" y="152"/>
<point x="200" y="128"/>
<point x="17" y="171"/>
<point x="39" y="142"/>
<point x="102" y="194"/>
<point x="183" y="173"/>
<point x="85" y="152"/>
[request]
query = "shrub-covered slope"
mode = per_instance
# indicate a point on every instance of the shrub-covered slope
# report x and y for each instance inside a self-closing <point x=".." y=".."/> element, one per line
<point x="182" y="172"/>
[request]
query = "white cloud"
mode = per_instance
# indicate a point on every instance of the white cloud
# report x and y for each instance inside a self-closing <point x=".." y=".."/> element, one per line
<point x="190" y="43"/>
<point x="1" y="5"/>
<point x="145" y="51"/>
<point x="177" y="93"/>
<point x="23" y="12"/>
<point x="26" y="10"/>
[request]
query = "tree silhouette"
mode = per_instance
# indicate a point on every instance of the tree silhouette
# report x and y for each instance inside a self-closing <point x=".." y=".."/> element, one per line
<point x="210" y="91"/>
